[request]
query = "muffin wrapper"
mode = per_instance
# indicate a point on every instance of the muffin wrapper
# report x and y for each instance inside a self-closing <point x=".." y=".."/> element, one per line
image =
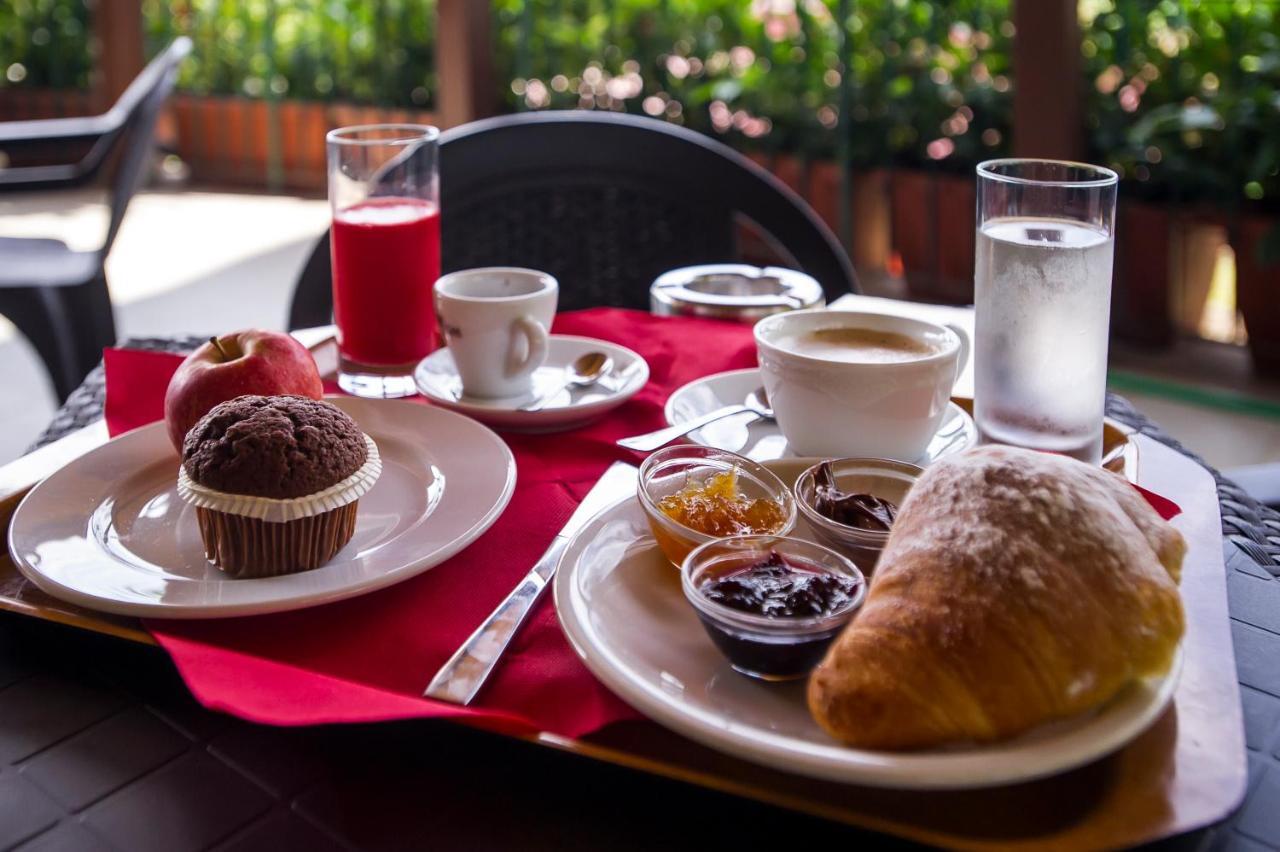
<point x="246" y="547"/>
<point x="279" y="511"/>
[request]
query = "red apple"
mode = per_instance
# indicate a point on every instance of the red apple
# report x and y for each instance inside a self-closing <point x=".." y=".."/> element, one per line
<point x="246" y="362"/>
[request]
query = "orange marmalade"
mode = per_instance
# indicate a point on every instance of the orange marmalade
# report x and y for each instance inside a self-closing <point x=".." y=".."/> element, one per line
<point x="716" y="508"/>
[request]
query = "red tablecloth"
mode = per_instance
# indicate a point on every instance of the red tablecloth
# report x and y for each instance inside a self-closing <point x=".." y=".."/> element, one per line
<point x="368" y="659"/>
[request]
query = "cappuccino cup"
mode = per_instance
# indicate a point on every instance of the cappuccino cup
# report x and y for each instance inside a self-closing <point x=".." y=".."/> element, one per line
<point x="849" y="383"/>
<point x="495" y="321"/>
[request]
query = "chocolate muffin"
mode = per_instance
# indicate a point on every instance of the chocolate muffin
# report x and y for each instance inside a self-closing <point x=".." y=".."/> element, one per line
<point x="276" y="482"/>
<point x="273" y="446"/>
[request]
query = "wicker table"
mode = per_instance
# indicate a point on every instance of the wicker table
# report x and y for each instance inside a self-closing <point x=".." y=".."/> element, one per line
<point x="102" y="747"/>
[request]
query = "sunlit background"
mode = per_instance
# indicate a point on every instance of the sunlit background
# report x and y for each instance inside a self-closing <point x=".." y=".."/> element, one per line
<point x="875" y="111"/>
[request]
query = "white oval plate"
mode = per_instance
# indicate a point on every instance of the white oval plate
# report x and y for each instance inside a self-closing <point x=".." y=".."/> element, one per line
<point x="620" y="603"/>
<point x="437" y="380"/>
<point x="109" y="532"/>
<point x="761" y="439"/>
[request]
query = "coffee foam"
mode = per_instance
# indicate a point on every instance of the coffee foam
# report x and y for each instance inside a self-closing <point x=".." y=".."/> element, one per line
<point x="857" y="345"/>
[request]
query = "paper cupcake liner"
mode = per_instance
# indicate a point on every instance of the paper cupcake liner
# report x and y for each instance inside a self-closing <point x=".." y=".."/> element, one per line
<point x="246" y="548"/>
<point x="278" y="511"/>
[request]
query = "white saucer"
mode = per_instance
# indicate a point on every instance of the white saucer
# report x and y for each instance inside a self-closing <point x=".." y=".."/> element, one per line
<point x="109" y="532"/>
<point x="622" y="608"/>
<point x="437" y="380"/>
<point x="762" y="440"/>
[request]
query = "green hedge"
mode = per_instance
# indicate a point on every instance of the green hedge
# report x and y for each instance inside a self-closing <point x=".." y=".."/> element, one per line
<point x="922" y="74"/>
<point x="45" y="43"/>
<point x="371" y="51"/>
<point x="1183" y="97"/>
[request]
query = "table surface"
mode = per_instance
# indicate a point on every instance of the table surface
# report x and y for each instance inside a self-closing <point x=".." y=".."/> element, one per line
<point x="102" y="747"/>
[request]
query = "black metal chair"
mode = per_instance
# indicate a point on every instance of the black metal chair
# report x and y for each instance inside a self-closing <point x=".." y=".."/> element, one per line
<point x="55" y="295"/>
<point x="605" y="202"/>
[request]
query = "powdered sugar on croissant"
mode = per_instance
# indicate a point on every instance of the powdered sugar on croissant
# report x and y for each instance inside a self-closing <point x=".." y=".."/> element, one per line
<point x="1016" y="588"/>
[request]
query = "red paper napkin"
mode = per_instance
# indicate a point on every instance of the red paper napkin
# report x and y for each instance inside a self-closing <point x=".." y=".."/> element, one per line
<point x="136" y="382"/>
<point x="369" y="658"/>
<point x="1164" y="507"/>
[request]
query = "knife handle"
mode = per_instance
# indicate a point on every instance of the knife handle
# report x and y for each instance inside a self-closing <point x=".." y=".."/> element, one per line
<point x="464" y="675"/>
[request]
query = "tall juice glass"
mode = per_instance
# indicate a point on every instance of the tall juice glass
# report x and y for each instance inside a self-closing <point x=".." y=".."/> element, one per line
<point x="1043" y="290"/>
<point x="384" y="191"/>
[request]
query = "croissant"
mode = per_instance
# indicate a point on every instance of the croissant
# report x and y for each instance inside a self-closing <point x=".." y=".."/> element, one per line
<point x="1016" y="588"/>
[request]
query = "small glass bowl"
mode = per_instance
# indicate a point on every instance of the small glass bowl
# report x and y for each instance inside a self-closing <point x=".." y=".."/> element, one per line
<point x="884" y="478"/>
<point x="669" y="470"/>
<point x="772" y="648"/>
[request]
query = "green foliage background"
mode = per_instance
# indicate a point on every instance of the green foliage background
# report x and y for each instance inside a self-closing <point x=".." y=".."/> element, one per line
<point x="913" y="65"/>
<point x="380" y="52"/>
<point x="47" y="41"/>
<point x="1201" y="119"/>
<point x="1182" y="96"/>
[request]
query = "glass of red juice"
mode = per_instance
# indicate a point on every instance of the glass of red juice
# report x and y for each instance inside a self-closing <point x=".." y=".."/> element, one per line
<point x="384" y="191"/>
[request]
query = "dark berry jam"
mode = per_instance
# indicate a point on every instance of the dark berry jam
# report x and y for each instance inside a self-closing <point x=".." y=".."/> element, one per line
<point x="778" y="588"/>
<point x="781" y="589"/>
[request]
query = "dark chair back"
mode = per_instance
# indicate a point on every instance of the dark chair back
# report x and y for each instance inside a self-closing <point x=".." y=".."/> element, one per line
<point x="604" y="202"/>
<point x="63" y="153"/>
<point x="138" y="109"/>
<point x="59" y="298"/>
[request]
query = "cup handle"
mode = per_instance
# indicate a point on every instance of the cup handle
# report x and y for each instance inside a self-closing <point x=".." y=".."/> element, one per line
<point x="536" y="336"/>
<point x="965" y="350"/>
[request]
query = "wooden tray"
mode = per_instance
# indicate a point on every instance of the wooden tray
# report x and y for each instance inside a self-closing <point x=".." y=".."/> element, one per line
<point x="1186" y="772"/>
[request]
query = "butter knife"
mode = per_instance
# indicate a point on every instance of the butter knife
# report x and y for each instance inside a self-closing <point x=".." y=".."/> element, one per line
<point x="462" y="678"/>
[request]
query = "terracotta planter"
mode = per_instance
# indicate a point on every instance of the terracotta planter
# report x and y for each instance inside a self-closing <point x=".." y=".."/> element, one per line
<point x="30" y="104"/>
<point x="1258" y="290"/>
<point x="1195" y="241"/>
<point x="294" y="143"/>
<point x="933" y="234"/>
<point x="167" y="129"/>
<point x="872" y="225"/>
<point x="22" y="104"/>
<point x="346" y="115"/>
<point x="302" y="147"/>
<point x="868" y="211"/>
<point x="208" y="138"/>
<point x="825" y="178"/>
<point x="228" y="139"/>
<point x="214" y="138"/>
<point x="184" y="120"/>
<point x="1140" y="304"/>
<point x="214" y="125"/>
<point x="760" y="158"/>
<point x="912" y="224"/>
<point x="791" y="171"/>
<point x="256" y="116"/>
<point x="869" y="205"/>
<point x="955" y="207"/>
<point x="752" y="246"/>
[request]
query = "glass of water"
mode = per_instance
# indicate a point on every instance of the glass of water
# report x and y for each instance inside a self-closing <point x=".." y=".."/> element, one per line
<point x="1043" y="291"/>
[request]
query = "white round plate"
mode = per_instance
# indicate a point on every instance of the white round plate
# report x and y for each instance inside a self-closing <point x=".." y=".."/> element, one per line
<point x="109" y="532"/>
<point x="437" y="380"/>
<point x="621" y="606"/>
<point x="761" y="439"/>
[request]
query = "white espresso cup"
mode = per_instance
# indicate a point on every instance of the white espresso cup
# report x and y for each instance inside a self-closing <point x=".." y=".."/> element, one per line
<point x="837" y="406"/>
<point x="495" y="321"/>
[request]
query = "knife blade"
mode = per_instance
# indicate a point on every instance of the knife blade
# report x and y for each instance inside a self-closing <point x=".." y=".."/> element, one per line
<point x="462" y="677"/>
